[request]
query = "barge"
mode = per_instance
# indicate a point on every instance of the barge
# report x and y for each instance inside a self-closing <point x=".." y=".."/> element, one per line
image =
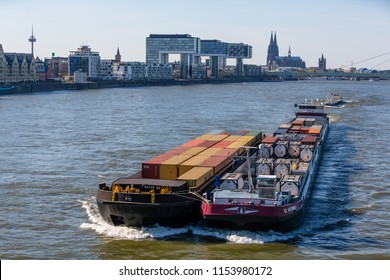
<point x="167" y="190"/>
<point x="269" y="189"/>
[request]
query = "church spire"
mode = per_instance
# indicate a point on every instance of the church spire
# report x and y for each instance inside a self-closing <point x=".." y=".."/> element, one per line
<point x="118" y="55"/>
<point x="289" y="51"/>
<point x="271" y="41"/>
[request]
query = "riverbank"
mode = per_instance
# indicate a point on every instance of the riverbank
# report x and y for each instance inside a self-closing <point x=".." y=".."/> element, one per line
<point x="25" y="87"/>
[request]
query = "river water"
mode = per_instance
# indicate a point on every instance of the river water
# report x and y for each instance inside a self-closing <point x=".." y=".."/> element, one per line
<point x="55" y="147"/>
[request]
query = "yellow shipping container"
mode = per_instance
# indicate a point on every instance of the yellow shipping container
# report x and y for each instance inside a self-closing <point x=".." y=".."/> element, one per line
<point x="232" y="138"/>
<point x="191" y="163"/>
<point x="193" y="151"/>
<point x="205" y="137"/>
<point x="210" y="151"/>
<point x="237" y="145"/>
<point x="218" y="137"/>
<point x="169" y="169"/>
<point x="197" y="176"/>
<point x="249" y="140"/>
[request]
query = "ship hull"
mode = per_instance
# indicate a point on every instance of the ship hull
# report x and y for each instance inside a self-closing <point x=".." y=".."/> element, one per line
<point x="167" y="210"/>
<point x="251" y="217"/>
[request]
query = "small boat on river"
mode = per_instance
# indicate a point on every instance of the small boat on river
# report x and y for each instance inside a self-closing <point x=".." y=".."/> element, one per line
<point x="4" y="88"/>
<point x="335" y="99"/>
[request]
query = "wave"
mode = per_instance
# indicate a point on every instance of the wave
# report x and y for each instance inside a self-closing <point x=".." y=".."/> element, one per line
<point x="156" y="232"/>
<point x="100" y="226"/>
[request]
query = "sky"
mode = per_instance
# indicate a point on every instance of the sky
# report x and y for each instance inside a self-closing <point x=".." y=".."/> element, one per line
<point x="348" y="32"/>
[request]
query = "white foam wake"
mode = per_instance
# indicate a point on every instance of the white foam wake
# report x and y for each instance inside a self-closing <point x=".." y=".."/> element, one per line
<point x="100" y="226"/>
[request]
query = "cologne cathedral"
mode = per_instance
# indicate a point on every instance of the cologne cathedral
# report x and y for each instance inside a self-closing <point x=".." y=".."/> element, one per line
<point x="274" y="60"/>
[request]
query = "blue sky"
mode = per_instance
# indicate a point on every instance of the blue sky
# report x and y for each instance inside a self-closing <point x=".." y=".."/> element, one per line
<point x="345" y="31"/>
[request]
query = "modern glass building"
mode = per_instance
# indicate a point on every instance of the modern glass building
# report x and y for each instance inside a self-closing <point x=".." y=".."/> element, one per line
<point x="159" y="46"/>
<point x="84" y="60"/>
<point x="191" y="49"/>
<point x="219" y="51"/>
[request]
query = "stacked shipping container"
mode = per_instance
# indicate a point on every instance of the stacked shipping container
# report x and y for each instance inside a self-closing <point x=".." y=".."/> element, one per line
<point x="198" y="160"/>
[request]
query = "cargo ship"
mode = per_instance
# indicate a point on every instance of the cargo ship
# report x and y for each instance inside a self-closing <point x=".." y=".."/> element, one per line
<point x="269" y="189"/>
<point x="167" y="190"/>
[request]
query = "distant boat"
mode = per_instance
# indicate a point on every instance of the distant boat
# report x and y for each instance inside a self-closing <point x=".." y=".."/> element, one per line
<point x="335" y="99"/>
<point x="6" y="87"/>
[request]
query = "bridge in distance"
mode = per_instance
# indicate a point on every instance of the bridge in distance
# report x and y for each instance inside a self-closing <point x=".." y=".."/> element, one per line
<point x="328" y="74"/>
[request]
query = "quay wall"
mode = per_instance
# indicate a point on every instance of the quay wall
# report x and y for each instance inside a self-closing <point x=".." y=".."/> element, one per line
<point x="25" y="87"/>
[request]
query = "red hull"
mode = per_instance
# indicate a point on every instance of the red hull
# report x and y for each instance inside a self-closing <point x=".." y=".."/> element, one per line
<point x="253" y="216"/>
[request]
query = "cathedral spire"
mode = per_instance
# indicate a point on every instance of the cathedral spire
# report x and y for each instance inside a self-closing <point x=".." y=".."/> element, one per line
<point x="273" y="50"/>
<point x="275" y="41"/>
<point x="271" y="41"/>
<point x="289" y="51"/>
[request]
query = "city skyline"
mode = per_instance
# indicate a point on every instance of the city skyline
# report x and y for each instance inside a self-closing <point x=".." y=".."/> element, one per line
<point x="347" y="33"/>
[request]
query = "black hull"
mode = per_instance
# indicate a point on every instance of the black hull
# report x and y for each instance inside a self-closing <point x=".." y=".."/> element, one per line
<point x="168" y="210"/>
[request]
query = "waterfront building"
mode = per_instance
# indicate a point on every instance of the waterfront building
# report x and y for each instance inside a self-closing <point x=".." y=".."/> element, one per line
<point x="159" y="46"/>
<point x="251" y="70"/>
<point x="199" y="71"/>
<point x="159" y="71"/>
<point x="218" y="52"/>
<point x="139" y="71"/>
<point x="57" y="67"/>
<point x="105" y="69"/>
<point x="16" y="67"/>
<point x="80" y="77"/>
<point x="129" y="70"/>
<point x="84" y="60"/>
<point x="41" y="69"/>
<point x="322" y="63"/>
<point x="191" y="49"/>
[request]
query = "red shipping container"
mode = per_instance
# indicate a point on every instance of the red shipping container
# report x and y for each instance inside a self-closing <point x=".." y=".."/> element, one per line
<point x="151" y="168"/>
<point x="270" y="140"/>
<point x="193" y="143"/>
<point x="159" y="158"/>
<point x="225" y="133"/>
<point x="207" y="143"/>
<point x="309" y="139"/>
<point x="304" y="130"/>
<point x="217" y="163"/>
<point x="299" y="121"/>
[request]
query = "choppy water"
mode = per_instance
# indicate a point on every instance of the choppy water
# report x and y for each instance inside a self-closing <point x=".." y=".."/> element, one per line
<point x="54" y="145"/>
